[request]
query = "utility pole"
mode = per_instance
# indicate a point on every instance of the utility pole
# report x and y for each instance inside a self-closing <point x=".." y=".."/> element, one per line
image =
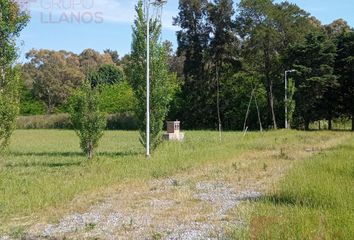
<point x="156" y="4"/>
<point x="148" y="80"/>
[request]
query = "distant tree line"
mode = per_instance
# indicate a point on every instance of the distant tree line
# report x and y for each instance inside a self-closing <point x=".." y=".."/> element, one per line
<point x="231" y="50"/>
<point x="50" y="78"/>
<point x="230" y="64"/>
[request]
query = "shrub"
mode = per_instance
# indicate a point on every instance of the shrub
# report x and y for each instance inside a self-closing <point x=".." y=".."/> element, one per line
<point x="88" y="121"/>
<point x="119" y="121"/>
<point x="122" y="121"/>
<point x="116" y="98"/>
<point x="9" y="104"/>
<point x="58" y="121"/>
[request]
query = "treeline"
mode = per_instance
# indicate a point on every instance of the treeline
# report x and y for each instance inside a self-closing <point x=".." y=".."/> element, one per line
<point x="230" y="64"/>
<point x="50" y="77"/>
<point x="231" y="51"/>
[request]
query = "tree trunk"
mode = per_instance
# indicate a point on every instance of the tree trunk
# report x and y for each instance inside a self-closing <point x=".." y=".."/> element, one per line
<point x="90" y="151"/>
<point x="272" y="106"/>
<point x="270" y="99"/>
<point x="267" y="67"/>
<point x="307" y="125"/>
<point x="218" y="101"/>
<point x="330" y="127"/>
<point x="259" y="114"/>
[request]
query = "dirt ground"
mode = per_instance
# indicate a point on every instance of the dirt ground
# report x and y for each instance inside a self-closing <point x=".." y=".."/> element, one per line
<point x="201" y="203"/>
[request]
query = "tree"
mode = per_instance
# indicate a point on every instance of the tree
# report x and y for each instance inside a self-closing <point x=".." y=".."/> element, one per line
<point x="163" y="84"/>
<point x="337" y="27"/>
<point x="313" y="61"/>
<point x="9" y="104"/>
<point x="91" y="60"/>
<point x="12" y="21"/>
<point x="223" y="49"/>
<point x="106" y="74"/>
<point x="114" y="55"/>
<point x="117" y="98"/>
<point x="267" y="30"/>
<point x="89" y="122"/>
<point x="54" y="75"/>
<point x="344" y="68"/>
<point x="193" y="43"/>
<point x="290" y="103"/>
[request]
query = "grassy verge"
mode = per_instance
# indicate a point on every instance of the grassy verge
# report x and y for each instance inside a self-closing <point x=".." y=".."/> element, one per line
<point x="314" y="201"/>
<point x="44" y="169"/>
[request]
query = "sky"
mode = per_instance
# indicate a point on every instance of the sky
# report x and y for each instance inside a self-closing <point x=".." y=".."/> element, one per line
<point x="75" y="25"/>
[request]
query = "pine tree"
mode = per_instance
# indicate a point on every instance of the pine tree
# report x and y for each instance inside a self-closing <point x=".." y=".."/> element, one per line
<point x="314" y="62"/>
<point x="193" y="42"/>
<point x="344" y="68"/>
<point x="223" y="51"/>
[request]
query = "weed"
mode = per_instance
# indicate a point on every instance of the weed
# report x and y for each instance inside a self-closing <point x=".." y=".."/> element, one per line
<point x="90" y="226"/>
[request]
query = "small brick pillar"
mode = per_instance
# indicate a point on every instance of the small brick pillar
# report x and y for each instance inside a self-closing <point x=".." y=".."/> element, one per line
<point x="174" y="131"/>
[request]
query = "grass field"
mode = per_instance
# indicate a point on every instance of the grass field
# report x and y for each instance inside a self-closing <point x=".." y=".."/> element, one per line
<point x="313" y="201"/>
<point x="44" y="170"/>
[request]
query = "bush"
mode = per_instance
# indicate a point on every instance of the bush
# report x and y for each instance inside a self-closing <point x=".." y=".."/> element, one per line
<point x="122" y="121"/>
<point x="9" y="104"/>
<point x="119" y="121"/>
<point x="29" y="105"/>
<point x="32" y="108"/>
<point x="88" y="121"/>
<point x="59" y="121"/>
<point x="116" y="98"/>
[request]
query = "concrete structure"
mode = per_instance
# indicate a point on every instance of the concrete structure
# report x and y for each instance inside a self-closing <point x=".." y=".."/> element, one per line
<point x="174" y="131"/>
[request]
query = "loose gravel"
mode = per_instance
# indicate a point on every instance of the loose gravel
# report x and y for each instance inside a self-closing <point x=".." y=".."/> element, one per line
<point x="205" y="215"/>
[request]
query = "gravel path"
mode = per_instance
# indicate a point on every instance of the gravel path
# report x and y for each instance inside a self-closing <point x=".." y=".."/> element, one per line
<point x="169" y="210"/>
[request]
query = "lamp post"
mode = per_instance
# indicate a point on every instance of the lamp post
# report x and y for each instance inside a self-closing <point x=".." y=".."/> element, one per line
<point x="286" y="96"/>
<point x="155" y="3"/>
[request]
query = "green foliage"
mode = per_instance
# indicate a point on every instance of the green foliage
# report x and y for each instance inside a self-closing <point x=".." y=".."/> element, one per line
<point x="117" y="98"/>
<point x="314" y="62"/>
<point x="54" y="76"/>
<point x="291" y="104"/>
<point x="9" y="104"/>
<point x="88" y="121"/>
<point x="163" y="84"/>
<point x="197" y="94"/>
<point x="122" y="121"/>
<point x="344" y="68"/>
<point x="267" y="29"/>
<point x="118" y="121"/>
<point x="29" y="105"/>
<point x="236" y="92"/>
<point x="90" y="60"/>
<point x="223" y="51"/>
<point x="12" y="21"/>
<point x="106" y="74"/>
<point x="53" y="121"/>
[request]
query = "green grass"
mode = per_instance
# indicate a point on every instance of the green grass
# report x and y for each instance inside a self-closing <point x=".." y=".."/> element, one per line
<point x="314" y="201"/>
<point x="45" y="169"/>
